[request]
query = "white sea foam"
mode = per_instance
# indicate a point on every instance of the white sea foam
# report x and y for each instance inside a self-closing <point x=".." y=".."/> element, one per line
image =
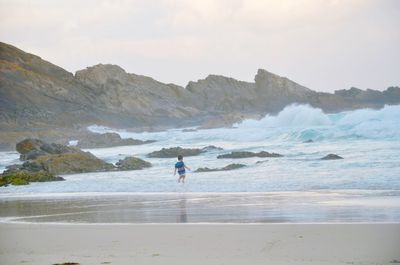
<point x="295" y="122"/>
<point x="369" y="140"/>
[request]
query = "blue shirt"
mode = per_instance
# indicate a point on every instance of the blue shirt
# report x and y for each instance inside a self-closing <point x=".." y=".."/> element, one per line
<point x="181" y="167"/>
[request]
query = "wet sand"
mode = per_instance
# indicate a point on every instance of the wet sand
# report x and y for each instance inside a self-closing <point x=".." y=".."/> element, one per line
<point x="40" y="244"/>
<point x="278" y="207"/>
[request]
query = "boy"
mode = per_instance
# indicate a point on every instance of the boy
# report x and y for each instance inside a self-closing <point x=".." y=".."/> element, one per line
<point x="180" y="166"/>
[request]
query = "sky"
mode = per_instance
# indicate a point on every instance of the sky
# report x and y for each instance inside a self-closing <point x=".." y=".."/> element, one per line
<point x="324" y="45"/>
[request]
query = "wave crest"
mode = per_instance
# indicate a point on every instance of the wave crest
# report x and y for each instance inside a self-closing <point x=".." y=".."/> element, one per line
<point x="305" y="122"/>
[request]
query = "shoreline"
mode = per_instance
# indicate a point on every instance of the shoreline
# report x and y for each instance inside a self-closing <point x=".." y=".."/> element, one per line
<point x="203" y="208"/>
<point x="303" y="244"/>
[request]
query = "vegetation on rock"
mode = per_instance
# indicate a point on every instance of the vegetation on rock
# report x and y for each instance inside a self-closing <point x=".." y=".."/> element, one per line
<point x="23" y="177"/>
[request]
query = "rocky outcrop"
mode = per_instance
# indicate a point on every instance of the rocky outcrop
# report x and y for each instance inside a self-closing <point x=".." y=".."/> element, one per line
<point x="220" y="94"/>
<point x="245" y="154"/>
<point x="97" y="140"/>
<point x="69" y="163"/>
<point x="211" y="148"/>
<point x="331" y="157"/>
<point x="33" y="148"/>
<point x="175" y="151"/>
<point x="275" y="92"/>
<point x="57" y="158"/>
<point x="132" y="163"/>
<point x="189" y="130"/>
<point x="40" y="99"/>
<point x="138" y="100"/>
<point x="226" y="168"/>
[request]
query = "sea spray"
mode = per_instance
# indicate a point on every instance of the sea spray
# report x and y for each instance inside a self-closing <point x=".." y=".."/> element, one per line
<point x="294" y="123"/>
<point x="367" y="139"/>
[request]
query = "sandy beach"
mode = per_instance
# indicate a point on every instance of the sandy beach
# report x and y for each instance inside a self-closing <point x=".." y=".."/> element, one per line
<point x="200" y="244"/>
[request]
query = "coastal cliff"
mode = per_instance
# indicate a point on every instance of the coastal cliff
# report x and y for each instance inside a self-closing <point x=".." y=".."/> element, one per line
<point x="40" y="99"/>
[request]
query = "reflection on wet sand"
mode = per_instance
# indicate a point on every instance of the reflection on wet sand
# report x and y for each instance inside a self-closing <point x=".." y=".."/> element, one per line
<point x="182" y="216"/>
<point x="279" y="207"/>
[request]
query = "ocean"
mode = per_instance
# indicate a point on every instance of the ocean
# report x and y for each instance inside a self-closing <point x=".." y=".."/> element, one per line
<point x="298" y="187"/>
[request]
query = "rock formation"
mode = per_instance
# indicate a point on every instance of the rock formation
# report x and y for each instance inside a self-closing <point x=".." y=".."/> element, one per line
<point x="39" y="99"/>
<point x="246" y="154"/>
<point x="175" y="151"/>
<point x="97" y="140"/>
<point x="132" y="163"/>
<point x="226" y="168"/>
<point x="57" y="159"/>
<point x="331" y="157"/>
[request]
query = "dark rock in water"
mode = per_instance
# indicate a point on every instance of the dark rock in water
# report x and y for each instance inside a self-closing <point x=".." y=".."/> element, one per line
<point x="189" y="130"/>
<point x="228" y="167"/>
<point x="245" y="154"/>
<point x="58" y="158"/>
<point x="132" y="163"/>
<point x="211" y="148"/>
<point x="71" y="163"/>
<point x="68" y="263"/>
<point x="261" y="162"/>
<point x="309" y="141"/>
<point x="23" y="177"/>
<point x="34" y="148"/>
<point x="97" y="140"/>
<point x="45" y="160"/>
<point x="331" y="157"/>
<point x="175" y="151"/>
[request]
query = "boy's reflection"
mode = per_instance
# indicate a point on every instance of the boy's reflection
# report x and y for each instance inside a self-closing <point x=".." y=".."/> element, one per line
<point x="181" y="216"/>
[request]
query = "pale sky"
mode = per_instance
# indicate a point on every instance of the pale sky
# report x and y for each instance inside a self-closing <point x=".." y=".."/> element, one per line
<point x="324" y="45"/>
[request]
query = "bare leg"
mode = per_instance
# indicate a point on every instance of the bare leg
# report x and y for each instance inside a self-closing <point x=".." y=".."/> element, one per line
<point x="180" y="177"/>
<point x="183" y="179"/>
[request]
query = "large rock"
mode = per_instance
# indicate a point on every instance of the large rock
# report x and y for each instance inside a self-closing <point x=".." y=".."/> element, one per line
<point x="58" y="159"/>
<point x="23" y="177"/>
<point x="33" y="148"/>
<point x="226" y="168"/>
<point x="69" y="163"/>
<point x="331" y="157"/>
<point x="132" y="163"/>
<point x="245" y="154"/>
<point x="211" y="148"/>
<point x="96" y="140"/>
<point x="175" y="151"/>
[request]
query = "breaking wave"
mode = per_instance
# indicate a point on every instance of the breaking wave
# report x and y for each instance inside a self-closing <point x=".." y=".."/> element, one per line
<point x="305" y="122"/>
<point x="294" y="123"/>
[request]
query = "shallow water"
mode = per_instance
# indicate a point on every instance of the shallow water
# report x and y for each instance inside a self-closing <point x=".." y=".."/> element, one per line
<point x="369" y="141"/>
<point x="273" y="207"/>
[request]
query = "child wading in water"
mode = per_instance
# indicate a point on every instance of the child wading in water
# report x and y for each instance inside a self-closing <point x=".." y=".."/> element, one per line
<point x="180" y="166"/>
